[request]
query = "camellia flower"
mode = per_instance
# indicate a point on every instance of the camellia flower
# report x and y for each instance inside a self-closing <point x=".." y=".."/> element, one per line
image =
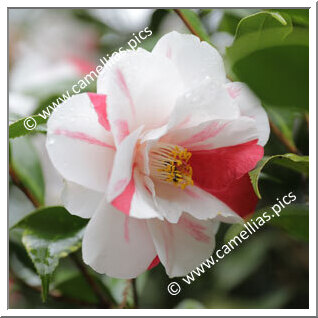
<point x="158" y="157"/>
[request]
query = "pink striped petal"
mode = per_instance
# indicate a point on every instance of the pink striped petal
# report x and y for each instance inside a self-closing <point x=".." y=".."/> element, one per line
<point x="123" y="201"/>
<point x="100" y="106"/>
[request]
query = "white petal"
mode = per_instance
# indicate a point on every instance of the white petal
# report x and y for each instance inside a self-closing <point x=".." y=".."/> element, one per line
<point x="250" y="106"/>
<point x="215" y="134"/>
<point x="182" y="247"/>
<point x="78" y="146"/>
<point x="122" y="168"/>
<point x="194" y="60"/>
<point x="173" y="201"/>
<point x="141" y="89"/>
<point x="206" y="102"/>
<point x="117" y="245"/>
<point x="80" y="201"/>
<point x="143" y="205"/>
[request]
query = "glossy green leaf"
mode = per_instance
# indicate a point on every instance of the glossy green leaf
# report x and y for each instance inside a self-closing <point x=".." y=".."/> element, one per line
<point x="26" y="166"/>
<point x="18" y="128"/>
<point x="192" y="18"/>
<point x="288" y="160"/>
<point x="299" y="16"/>
<point x="294" y="219"/>
<point x="49" y="234"/>
<point x="272" y="57"/>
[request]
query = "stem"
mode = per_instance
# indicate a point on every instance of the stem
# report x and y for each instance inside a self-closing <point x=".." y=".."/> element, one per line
<point x="135" y="294"/>
<point x="274" y="128"/>
<point x="96" y="289"/>
<point x="20" y="185"/>
<point x="187" y="23"/>
<point x="282" y="138"/>
<point x="125" y="294"/>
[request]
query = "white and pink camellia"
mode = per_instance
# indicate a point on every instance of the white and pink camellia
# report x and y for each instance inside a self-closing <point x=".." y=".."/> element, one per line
<point x="158" y="157"/>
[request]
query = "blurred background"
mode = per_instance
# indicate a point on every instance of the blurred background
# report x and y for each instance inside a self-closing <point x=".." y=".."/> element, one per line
<point x="51" y="49"/>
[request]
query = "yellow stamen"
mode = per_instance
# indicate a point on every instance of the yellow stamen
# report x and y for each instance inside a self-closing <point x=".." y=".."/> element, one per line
<point x="170" y="163"/>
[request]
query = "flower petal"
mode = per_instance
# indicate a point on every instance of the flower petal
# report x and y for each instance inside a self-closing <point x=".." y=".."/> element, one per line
<point x="173" y="201"/>
<point x="183" y="246"/>
<point x="239" y="196"/>
<point x="80" y="201"/>
<point x="214" y="134"/>
<point x="78" y="146"/>
<point x="194" y="60"/>
<point x="121" y="174"/>
<point x="117" y="245"/>
<point x="215" y="169"/>
<point x="136" y="82"/>
<point x="143" y="206"/>
<point x="100" y="106"/>
<point x="250" y="106"/>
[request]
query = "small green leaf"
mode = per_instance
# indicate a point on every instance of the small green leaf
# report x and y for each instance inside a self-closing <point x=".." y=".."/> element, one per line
<point x="294" y="219"/>
<point x="49" y="234"/>
<point x="288" y="160"/>
<point x="194" y="21"/>
<point x="26" y="166"/>
<point x="18" y="128"/>
<point x="271" y="55"/>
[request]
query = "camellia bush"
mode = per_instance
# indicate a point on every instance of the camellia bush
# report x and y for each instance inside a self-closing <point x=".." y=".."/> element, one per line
<point x="172" y="173"/>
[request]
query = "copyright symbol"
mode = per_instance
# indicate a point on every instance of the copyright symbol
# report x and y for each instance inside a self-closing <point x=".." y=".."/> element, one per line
<point x="174" y="288"/>
<point x="29" y="123"/>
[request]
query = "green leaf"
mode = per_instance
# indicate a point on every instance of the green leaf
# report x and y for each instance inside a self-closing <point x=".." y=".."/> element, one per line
<point x="18" y="128"/>
<point x="49" y="234"/>
<point x="288" y="160"/>
<point x="293" y="219"/>
<point x="284" y="119"/>
<point x="192" y="18"/>
<point x="25" y="164"/>
<point x="272" y="57"/>
<point x="299" y="16"/>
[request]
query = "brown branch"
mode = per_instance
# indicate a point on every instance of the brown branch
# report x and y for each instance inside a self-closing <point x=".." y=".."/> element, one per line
<point x="25" y="190"/>
<point x="96" y="289"/>
<point x="187" y="23"/>
<point x="282" y="138"/>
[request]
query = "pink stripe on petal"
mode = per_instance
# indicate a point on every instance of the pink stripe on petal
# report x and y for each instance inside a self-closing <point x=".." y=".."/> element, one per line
<point x="208" y="132"/>
<point x="83" y="137"/>
<point x="122" y="129"/>
<point x="154" y="263"/>
<point x="196" y="230"/>
<point x="123" y="85"/>
<point x="123" y="201"/>
<point x="233" y="91"/>
<point x="100" y="106"/>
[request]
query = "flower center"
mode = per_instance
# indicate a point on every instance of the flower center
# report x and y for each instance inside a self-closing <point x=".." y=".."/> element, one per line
<point x="170" y="163"/>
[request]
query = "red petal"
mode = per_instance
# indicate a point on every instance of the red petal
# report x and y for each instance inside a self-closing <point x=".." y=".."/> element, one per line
<point x="216" y="169"/>
<point x="239" y="196"/>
